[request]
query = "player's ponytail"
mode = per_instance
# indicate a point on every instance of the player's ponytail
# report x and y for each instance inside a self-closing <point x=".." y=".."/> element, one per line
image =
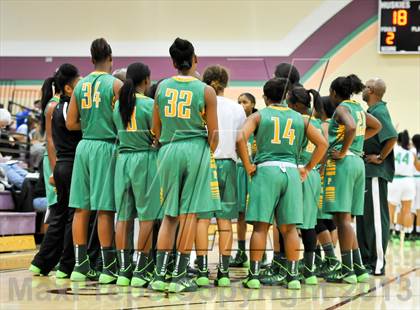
<point x="47" y="91"/>
<point x="347" y="86"/>
<point x="327" y="106"/>
<point x="416" y="143"/>
<point x="316" y="97"/>
<point x="136" y="73"/>
<point x="404" y="140"/>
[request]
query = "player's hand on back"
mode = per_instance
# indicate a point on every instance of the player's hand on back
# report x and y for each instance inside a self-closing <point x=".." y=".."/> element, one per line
<point x="303" y="174"/>
<point x="250" y="170"/>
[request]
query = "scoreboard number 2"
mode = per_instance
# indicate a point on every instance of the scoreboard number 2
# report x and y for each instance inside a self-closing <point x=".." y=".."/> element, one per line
<point x="390" y="38"/>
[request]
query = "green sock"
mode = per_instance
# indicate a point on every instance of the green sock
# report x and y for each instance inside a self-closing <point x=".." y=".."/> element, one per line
<point x="277" y="256"/>
<point x="124" y="259"/>
<point x="241" y="245"/>
<point x="329" y="250"/>
<point x="347" y="259"/>
<point x="141" y="262"/>
<point x="309" y="259"/>
<point x="357" y="258"/>
<point x="292" y="267"/>
<point x="162" y="258"/>
<point x="202" y="262"/>
<point x="81" y="257"/>
<point x="254" y="268"/>
<point x="224" y="263"/>
<point x="181" y="264"/>
<point x="108" y="257"/>
<point x="150" y="265"/>
<point x="318" y="250"/>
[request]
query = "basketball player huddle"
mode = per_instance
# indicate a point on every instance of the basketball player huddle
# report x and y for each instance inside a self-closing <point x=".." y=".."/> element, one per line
<point x="179" y="153"/>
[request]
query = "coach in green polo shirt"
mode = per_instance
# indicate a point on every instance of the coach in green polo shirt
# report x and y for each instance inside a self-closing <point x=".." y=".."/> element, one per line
<point x="373" y="226"/>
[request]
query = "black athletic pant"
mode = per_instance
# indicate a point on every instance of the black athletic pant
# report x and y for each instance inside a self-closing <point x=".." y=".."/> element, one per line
<point x="57" y="245"/>
<point x="373" y="227"/>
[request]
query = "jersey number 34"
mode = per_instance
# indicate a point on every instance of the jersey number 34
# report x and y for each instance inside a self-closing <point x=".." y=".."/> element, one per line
<point x="87" y="98"/>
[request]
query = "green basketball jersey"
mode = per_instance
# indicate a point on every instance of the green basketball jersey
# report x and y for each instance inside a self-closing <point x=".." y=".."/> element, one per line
<point x="336" y="130"/>
<point x="308" y="147"/>
<point x="136" y="137"/>
<point x="95" y="100"/>
<point x="181" y="108"/>
<point x="279" y="136"/>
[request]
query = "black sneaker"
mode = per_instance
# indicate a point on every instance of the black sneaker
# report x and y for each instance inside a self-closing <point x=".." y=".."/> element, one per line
<point x="331" y="265"/>
<point x="240" y="260"/>
<point x="202" y="277"/>
<point x="293" y="282"/>
<point x="159" y="282"/>
<point x="182" y="283"/>
<point x="251" y="281"/>
<point x="362" y="273"/>
<point x="343" y="275"/>
<point x="309" y="276"/>
<point x="142" y="277"/>
<point x="222" y="279"/>
<point x="83" y="272"/>
<point x="109" y="273"/>
<point x="124" y="276"/>
<point x="272" y="276"/>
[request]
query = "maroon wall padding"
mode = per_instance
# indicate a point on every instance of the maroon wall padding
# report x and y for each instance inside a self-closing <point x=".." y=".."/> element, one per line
<point x="316" y="46"/>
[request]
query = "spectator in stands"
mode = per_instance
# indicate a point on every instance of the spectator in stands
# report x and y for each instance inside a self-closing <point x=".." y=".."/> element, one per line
<point x="5" y="118"/>
<point x="14" y="173"/>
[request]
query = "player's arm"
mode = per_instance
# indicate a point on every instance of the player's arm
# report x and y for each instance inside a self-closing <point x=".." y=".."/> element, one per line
<point x="373" y="126"/>
<point x="73" y="115"/>
<point x="156" y="123"/>
<point x="242" y="138"/>
<point x="343" y="117"/>
<point x="211" y="117"/>
<point x="321" y="145"/>
<point x="52" y="157"/>
<point x="324" y="126"/>
<point x="416" y="162"/>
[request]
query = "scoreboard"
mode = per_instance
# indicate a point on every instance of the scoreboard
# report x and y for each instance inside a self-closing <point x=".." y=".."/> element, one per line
<point x="399" y="27"/>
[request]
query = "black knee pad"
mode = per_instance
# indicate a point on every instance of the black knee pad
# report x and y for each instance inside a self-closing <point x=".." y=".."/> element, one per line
<point x="320" y="226"/>
<point x="330" y="225"/>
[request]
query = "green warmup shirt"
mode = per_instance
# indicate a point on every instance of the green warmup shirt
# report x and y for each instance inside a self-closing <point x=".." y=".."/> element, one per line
<point x="181" y="109"/>
<point x="308" y="147"/>
<point x="336" y="130"/>
<point x="375" y="144"/>
<point x="279" y="136"/>
<point x="94" y="93"/>
<point x="136" y="137"/>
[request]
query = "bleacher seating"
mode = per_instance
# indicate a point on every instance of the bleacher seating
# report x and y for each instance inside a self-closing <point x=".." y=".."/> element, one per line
<point x="17" y="229"/>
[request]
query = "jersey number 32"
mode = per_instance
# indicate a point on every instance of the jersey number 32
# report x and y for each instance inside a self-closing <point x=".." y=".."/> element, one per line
<point x="179" y="103"/>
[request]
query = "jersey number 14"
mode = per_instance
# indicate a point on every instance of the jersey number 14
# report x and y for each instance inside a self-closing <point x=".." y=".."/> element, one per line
<point x="288" y="132"/>
<point x="402" y="158"/>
